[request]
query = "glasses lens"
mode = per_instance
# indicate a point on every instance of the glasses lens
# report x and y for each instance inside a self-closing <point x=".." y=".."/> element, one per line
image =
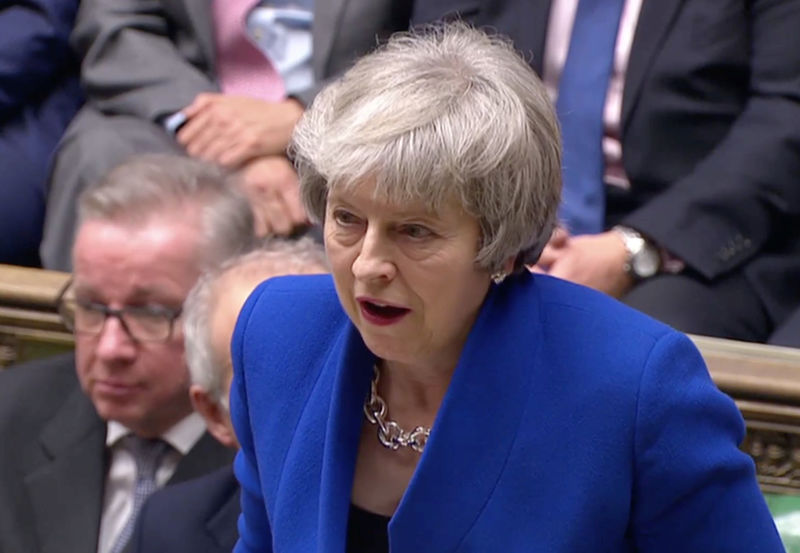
<point x="147" y="325"/>
<point x="88" y="318"/>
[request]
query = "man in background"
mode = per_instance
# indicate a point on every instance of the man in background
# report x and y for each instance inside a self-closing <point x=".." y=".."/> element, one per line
<point x="224" y="81"/>
<point x="87" y="437"/>
<point x="681" y="132"/>
<point x="201" y="515"/>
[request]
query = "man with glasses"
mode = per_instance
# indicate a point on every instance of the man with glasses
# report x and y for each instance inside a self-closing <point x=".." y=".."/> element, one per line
<point x="86" y="438"/>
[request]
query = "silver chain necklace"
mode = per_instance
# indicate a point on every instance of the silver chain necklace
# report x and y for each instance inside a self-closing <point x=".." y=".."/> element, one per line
<point x="390" y="434"/>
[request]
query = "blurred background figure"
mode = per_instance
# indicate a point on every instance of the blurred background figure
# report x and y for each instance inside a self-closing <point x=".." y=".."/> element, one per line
<point x="201" y="515"/>
<point x="224" y="81"/>
<point x="87" y="437"/>
<point x="39" y="95"/>
<point x="681" y="124"/>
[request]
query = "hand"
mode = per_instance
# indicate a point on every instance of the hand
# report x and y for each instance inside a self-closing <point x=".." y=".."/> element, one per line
<point x="232" y="130"/>
<point x="558" y="240"/>
<point x="271" y="185"/>
<point x="594" y="260"/>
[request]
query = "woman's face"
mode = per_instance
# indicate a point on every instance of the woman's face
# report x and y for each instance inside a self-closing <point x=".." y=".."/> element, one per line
<point x="405" y="275"/>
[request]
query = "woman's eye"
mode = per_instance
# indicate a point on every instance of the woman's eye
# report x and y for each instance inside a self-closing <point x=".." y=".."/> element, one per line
<point x="345" y="218"/>
<point x="417" y="232"/>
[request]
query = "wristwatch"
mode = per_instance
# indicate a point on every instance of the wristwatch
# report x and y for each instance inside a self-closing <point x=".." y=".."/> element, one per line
<point x="644" y="259"/>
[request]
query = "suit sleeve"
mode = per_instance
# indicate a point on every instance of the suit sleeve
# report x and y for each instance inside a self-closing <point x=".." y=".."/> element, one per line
<point x="130" y="62"/>
<point x="33" y="49"/>
<point x="694" y="490"/>
<point x="254" y="528"/>
<point x="741" y="195"/>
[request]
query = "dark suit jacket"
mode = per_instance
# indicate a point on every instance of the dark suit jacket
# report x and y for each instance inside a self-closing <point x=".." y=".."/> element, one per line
<point x="572" y="423"/>
<point x="39" y="95"/>
<point x="198" y="516"/>
<point x="710" y="130"/>
<point x="53" y="460"/>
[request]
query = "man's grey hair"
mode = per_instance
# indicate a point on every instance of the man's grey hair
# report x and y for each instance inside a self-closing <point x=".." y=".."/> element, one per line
<point x="171" y="186"/>
<point x="275" y="257"/>
<point x="443" y="112"/>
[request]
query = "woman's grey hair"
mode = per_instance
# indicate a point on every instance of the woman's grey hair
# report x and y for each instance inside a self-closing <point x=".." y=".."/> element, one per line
<point x="272" y="258"/>
<point x="170" y="185"/>
<point x="443" y="112"/>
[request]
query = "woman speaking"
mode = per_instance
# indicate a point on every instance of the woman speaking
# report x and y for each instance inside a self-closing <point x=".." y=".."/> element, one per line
<point x="434" y="395"/>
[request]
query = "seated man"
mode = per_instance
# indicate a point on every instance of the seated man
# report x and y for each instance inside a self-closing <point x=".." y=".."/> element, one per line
<point x="681" y="132"/>
<point x="86" y="438"/>
<point x="201" y="515"/>
<point x="224" y="81"/>
<point x="39" y="95"/>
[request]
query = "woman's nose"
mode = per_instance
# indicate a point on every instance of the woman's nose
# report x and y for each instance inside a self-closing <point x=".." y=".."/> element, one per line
<point x="375" y="257"/>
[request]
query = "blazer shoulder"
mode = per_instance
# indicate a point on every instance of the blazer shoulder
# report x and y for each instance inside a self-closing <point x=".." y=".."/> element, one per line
<point x="583" y="329"/>
<point x="565" y="301"/>
<point x="51" y="380"/>
<point x="294" y="315"/>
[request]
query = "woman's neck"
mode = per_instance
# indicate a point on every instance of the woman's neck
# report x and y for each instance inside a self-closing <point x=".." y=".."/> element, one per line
<point x="409" y="388"/>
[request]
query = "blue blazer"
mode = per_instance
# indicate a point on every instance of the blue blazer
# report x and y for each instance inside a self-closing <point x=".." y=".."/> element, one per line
<point x="572" y="423"/>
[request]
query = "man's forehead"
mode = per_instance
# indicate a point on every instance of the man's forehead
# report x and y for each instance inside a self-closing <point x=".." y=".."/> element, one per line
<point x="137" y="262"/>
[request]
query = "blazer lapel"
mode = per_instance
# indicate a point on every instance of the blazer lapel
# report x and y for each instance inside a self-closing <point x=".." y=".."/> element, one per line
<point x="351" y="384"/>
<point x="486" y="398"/>
<point x="327" y="16"/>
<point x="655" y="19"/>
<point x="199" y="12"/>
<point x="67" y="493"/>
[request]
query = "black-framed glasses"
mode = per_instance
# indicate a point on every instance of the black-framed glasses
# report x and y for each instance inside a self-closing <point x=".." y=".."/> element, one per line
<point x="146" y="323"/>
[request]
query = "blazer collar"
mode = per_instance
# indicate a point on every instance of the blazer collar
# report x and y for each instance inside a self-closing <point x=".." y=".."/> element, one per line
<point x="67" y="491"/>
<point x="205" y="457"/>
<point x="485" y="398"/>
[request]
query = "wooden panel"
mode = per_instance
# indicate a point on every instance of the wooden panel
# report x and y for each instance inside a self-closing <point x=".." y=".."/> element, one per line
<point x="765" y="383"/>
<point x="30" y="326"/>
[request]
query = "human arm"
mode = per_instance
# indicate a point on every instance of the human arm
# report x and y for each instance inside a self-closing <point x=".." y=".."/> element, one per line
<point x="271" y="185"/>
<point x="694" y="490"/>
<point x="132" y="61"/>
<point x="34" y="49"/>
<point x="232" y="130"/>
<point x="597" y="261"/>
<point x="744" y="194"/>
<point x="594" y="260"/>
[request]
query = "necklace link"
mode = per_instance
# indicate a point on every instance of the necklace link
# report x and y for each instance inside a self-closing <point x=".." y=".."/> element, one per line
<point x="391" y="434"/>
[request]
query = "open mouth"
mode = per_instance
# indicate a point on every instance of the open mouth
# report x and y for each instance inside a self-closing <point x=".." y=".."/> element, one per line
<point x="380" y="313"/>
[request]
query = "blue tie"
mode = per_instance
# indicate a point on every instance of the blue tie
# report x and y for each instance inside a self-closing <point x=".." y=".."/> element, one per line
<point x="581" y="101"/>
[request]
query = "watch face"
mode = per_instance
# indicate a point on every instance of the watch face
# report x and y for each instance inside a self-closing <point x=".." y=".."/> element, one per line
<point x="645" y="262"/>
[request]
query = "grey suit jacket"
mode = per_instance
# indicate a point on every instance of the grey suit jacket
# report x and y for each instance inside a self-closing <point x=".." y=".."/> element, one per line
<point x="53" y="460"/>
<point x="150" y="58"/>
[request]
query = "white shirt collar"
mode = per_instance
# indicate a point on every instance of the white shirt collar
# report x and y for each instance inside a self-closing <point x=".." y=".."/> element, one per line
<point x="182" y="436"/>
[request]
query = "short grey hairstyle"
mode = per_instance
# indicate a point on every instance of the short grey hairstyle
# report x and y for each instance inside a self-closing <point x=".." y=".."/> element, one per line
<point x="273" y="258"/>
<point x="155" y="185"/>
<point x="446" y="111"/>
